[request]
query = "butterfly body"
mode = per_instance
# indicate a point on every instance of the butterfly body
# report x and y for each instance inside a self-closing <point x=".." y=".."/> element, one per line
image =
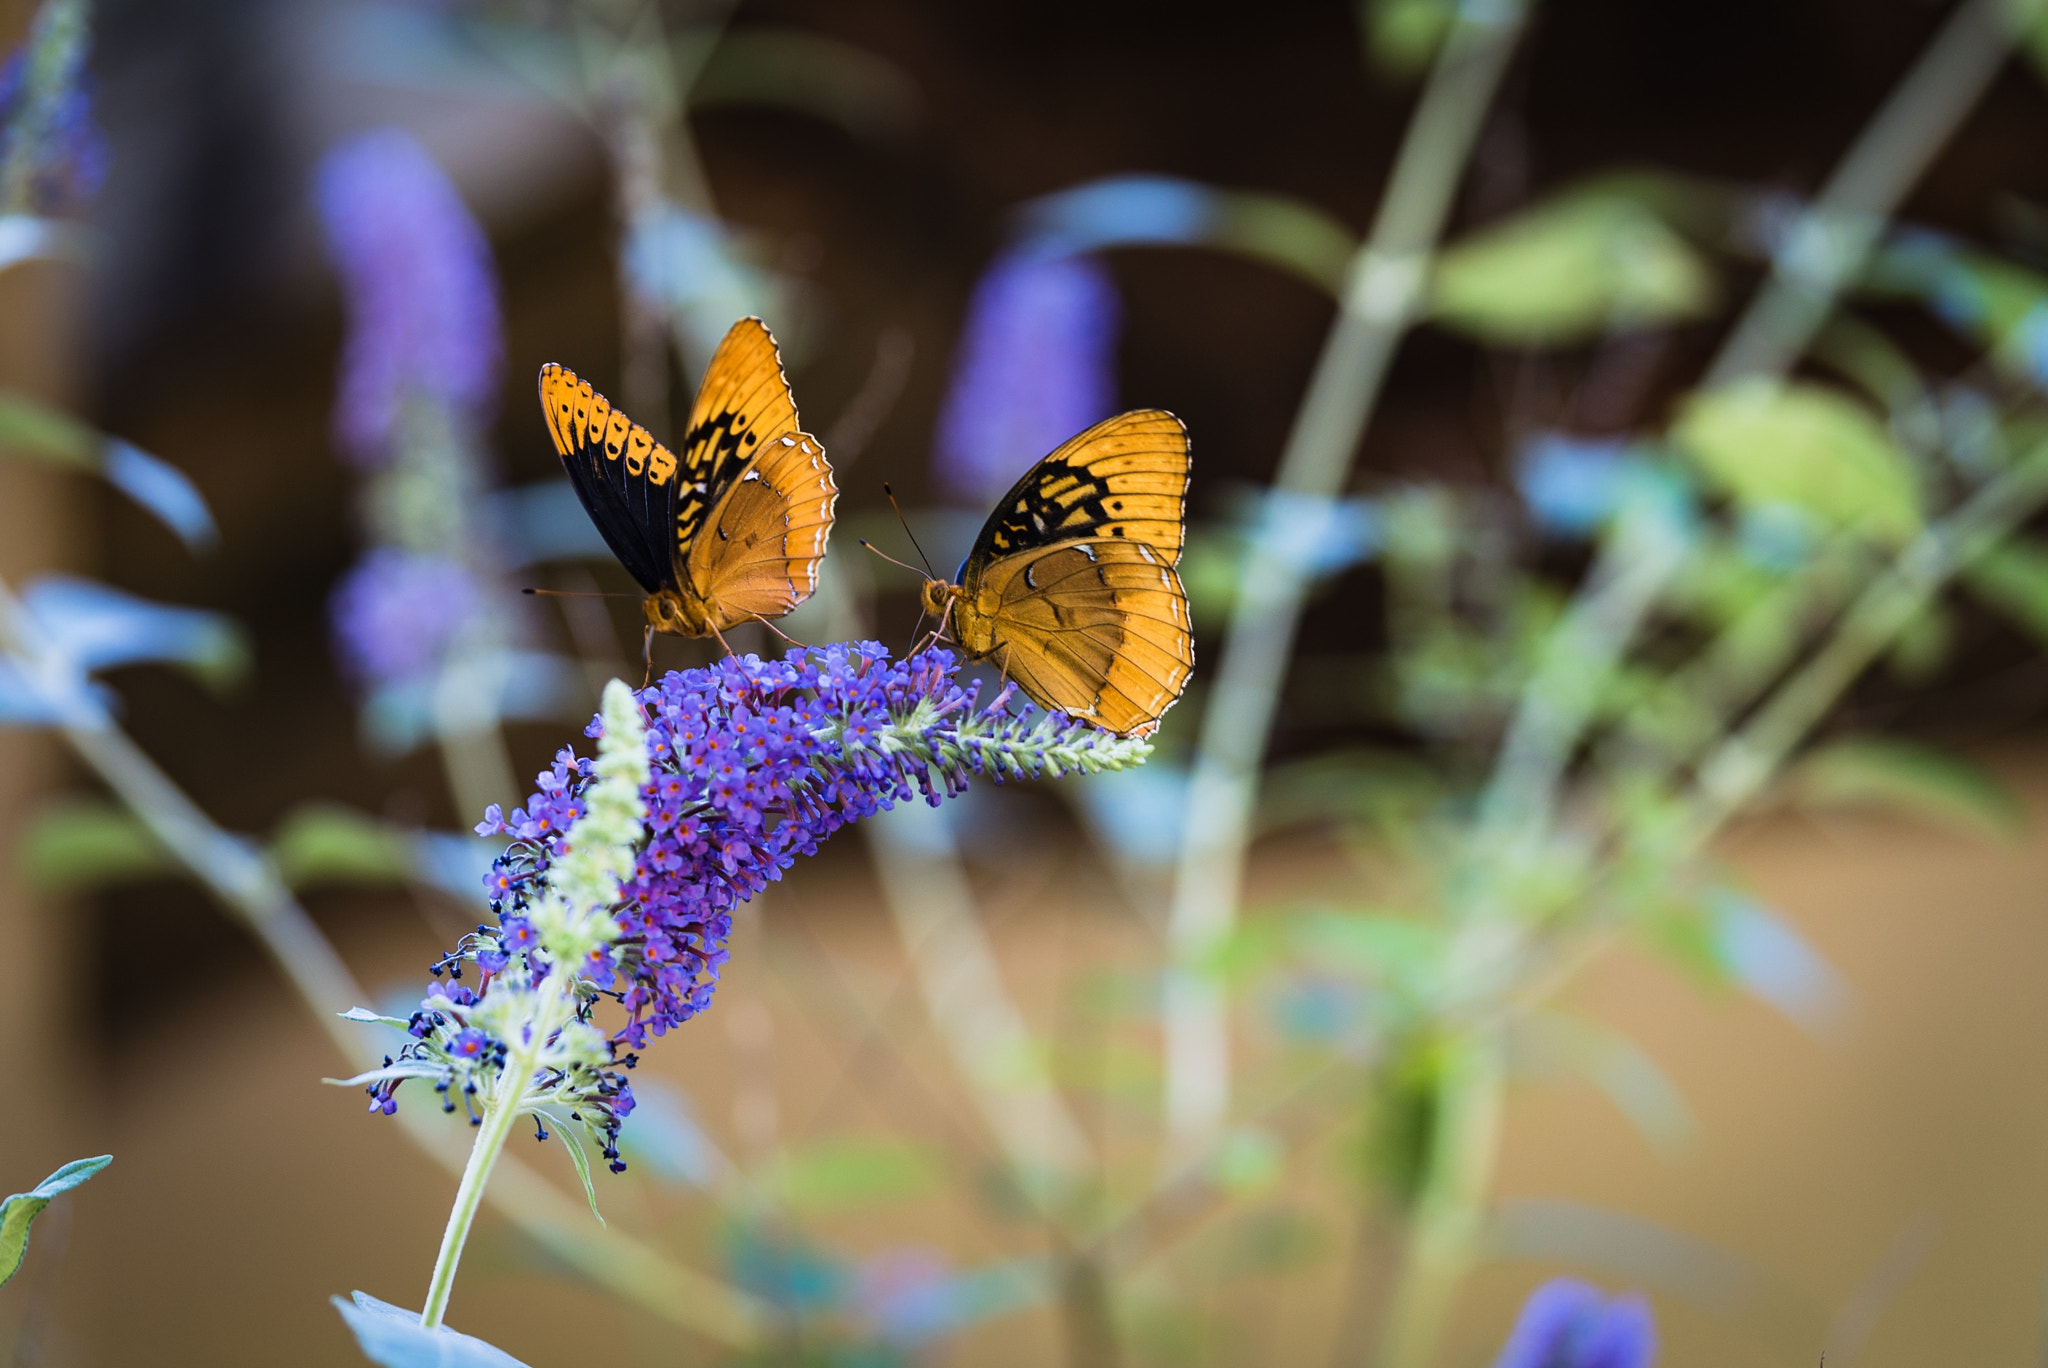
<point x="733" y="528"/>
<point x="1071" y="588"/>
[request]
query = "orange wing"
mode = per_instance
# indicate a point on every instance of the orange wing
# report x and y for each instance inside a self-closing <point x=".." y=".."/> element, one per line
<point x="1094" y="627"/>
<point x="767" y="535"/>
<point x="743" y="405"/>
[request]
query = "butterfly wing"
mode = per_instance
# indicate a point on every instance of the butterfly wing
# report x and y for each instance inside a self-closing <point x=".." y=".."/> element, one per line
<point x="763" y="481"/>
<point x="1096" y="627"/>
<point x="1126" y="477"/>
<point x="767" y="535"/>
<point x="625" y="479"/>
<point x="1071" y="585"/>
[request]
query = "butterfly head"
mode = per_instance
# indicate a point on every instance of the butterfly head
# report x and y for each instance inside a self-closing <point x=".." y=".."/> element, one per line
<point x="676" y="614"/>
<point x="936" y="596"/>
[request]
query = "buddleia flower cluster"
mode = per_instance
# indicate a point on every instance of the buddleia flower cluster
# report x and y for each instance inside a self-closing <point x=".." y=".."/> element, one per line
<point x="757" y="762"/>
<point x="522" y="1036"/>
<point x="750" y="763"/>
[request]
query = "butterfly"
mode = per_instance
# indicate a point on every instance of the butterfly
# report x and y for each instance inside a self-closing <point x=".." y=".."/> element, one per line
<point x="732" y="531"/>
<point x="1071" y="585"/>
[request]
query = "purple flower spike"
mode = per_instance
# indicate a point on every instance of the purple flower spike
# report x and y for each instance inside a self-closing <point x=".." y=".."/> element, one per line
<point x="1569" y="1324"/>
<point x="395" y="614"/>
<point x="420" y="288"/>
<point x="1036" y="364"/>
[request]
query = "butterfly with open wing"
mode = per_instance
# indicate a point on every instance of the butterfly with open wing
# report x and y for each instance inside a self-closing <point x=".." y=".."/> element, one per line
<point x="1071" y="586"/>
<point x="731" y="532"/>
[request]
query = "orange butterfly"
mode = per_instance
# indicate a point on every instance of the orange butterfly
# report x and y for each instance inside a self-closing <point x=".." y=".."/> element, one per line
<point x="1071" y="585"/>
<point x="732" y="532"/>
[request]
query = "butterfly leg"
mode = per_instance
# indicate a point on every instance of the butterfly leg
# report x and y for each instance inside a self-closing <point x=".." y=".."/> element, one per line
<point x="721" y="639"/>
<point x="779" y="632"/>
<point x="647" y="658"/>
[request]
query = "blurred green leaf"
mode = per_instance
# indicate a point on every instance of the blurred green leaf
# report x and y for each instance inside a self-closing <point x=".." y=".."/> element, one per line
<point x="1284" y="233"/>
<point x="1250" y="1158"/>
<point x="33" y="430"/>
<point x="328" y="843"/>
<point x="854" y="1171"/>
<point x="1617" y="1066"/>
<point x="2013" y="577"/>
<point x="1763" y="442"/>
<point x="1273" y="1240"/>
<point x="1402" y="36"/>
<point x="802" y="70"/>
<point x="1569" y="270"/>
<point x="1381" y="946"/>
<point x="1920" y="781"/>
<point x="1382" y="788"/>
<point x="1922" y="645"/>
<point x="87" y="844"/>
<point x="19" y="1212"/>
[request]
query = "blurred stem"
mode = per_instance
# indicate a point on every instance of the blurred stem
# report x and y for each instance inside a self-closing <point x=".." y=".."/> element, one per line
<point x="1736" y="770"/>
<point x="1827" y="247"/>
<point x="243" y="880"/>
<point x="1827" y="250"/>
<point x="1382" y="295"/>
<point x="499" y="1114"/>
<point x="1450" y="1208"/>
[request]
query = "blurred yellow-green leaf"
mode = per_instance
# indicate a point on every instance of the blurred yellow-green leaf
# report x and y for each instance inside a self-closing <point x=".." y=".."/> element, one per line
<point x="87" y="844"/>
<point x="1763" y="442"/>
<point x="1920" y="781"/>
<point x="329" y="843"/>
<point x="2013" y="577"/>
<point x="1568" y="271"/>
<point x="853" y="1171"/>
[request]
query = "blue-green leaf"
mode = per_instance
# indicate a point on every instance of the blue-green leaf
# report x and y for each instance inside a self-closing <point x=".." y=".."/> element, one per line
<point x="19" y="1212"/>
<point x="33" y="430"/>
<point x="396" y="1339"/>
<point x="1763" y="442"/>
<point x="802" y="70"/>
<point x="1935" y="785"/>
<point x="96" y="627"/>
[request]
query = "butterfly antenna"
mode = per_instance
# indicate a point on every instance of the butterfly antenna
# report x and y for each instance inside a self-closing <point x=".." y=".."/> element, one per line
<point x="573" y="593"/>
<point x="891" y="559"/>
<point x="929" y="573"/>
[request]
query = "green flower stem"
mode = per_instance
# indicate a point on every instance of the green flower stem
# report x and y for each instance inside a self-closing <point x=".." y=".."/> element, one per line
<point x="1449" y="1220"/>
<point x="500" y="1112"/>
<point x="1382" y="296"/>
<point x="247" y="886"/>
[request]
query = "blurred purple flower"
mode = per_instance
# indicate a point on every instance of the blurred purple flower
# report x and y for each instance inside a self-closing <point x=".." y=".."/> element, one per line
<point x="759" y="761"/>
<point x="54" y="154"/>
<point x="1569" y="1324"/>
<point x="395" y="613"/>
<point x="420" y="287"/>
<point x="1035" y="365"/>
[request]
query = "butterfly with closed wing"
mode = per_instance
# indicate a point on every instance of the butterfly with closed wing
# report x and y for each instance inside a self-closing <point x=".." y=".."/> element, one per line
<point x="1071" y="587"/>
<point x="733" y="530"/>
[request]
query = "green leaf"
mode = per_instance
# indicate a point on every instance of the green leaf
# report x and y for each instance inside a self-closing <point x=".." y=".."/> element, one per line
<point x="1568" y="271"/>
<point x="2013" y="577"/>
<point x="1403" y="36"/>
<point x="1920" y="781"/>
<point x="1617" y="1066"/>
<point x="798" y="69"/>
<point x="33" y="430"/>
<point x="853" y="1171"/>
<point x="1380" y="946"/>
<point x="1762" y="442"/>
<point x="87" y="844"/>
<point x="327" y="843"/>
<point x="19" y="1212"/>
<point x="565" y="1132"/>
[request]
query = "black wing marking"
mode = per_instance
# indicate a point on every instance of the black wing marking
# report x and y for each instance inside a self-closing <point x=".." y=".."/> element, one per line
<point x="623" y="477"/>
<point x="1125" y="477"/>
